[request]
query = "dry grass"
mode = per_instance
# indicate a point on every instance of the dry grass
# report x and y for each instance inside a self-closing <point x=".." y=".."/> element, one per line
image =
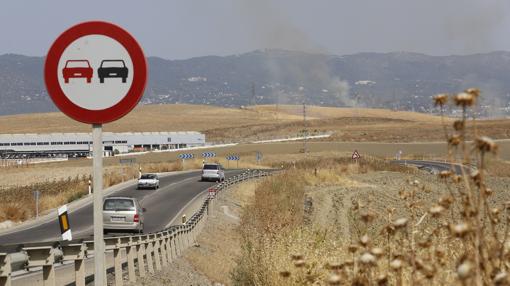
<point x="18" y="202"/>
<point x="275" y="226"/>
<point x="259" y="122"/>
<point x="455" y="237"/>
<point x="220" y="241"/>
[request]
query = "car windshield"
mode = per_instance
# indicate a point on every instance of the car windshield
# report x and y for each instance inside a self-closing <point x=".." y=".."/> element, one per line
<point x="119" y="205"/>
<point x="148" y="176"/>
<point x="77" y="64"/>
<point x="112" y="64"/>
<point x="211" y="167"/>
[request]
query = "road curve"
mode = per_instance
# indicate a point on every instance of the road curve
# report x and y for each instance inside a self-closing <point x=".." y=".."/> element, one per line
<point x="439" y="166"/>
<point x="162" y="205"/>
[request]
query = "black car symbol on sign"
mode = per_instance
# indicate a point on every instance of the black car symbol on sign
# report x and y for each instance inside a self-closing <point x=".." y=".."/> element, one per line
<point x="112" y="69"/>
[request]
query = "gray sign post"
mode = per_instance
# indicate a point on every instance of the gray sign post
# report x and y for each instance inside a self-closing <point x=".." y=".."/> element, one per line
<point x="97" y="178"/>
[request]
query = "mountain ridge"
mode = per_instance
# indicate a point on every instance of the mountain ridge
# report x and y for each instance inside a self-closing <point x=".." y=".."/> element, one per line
<point x="394" y="80"/>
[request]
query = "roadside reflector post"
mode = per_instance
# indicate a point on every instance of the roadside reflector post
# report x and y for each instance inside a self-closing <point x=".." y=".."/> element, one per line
<point x="65" y="226"/>
<point x="5" y="269"/>
<point x="90" y="187"/>
<point x="97" y="171"/>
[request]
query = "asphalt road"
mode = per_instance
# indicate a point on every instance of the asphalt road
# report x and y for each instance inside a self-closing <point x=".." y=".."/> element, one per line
<point x="162" y="206"/>
<point x="439" y="166"/>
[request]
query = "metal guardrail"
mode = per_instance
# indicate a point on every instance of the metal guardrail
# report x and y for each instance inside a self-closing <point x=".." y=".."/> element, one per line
<point x="146" y="252"/>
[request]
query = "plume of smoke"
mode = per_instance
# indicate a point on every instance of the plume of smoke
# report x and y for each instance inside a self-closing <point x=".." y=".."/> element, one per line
<point x="272" y="29"/>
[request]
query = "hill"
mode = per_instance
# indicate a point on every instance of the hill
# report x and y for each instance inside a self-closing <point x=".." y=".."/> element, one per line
<point x="260" y="123"/>
<point x="399" y="81"/>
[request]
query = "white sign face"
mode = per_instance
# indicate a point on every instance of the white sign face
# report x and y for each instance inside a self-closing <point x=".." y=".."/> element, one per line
<point x="95" y="72"/>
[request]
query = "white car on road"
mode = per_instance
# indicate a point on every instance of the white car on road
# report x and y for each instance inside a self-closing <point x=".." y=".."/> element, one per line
<point x="149" y="181"/>
<point x="213" y="172"/>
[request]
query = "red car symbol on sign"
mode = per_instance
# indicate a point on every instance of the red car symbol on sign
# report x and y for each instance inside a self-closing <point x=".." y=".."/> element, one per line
<point x="77" y="69"/>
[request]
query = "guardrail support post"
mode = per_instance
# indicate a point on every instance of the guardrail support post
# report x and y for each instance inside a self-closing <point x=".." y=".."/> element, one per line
<point x="156" y="246"/>
<point x="164" y="257"/>
<point x="178" y="242"/>
<point x="148" y="254"/>
<point x="188" y="235"/>
<point x="168" y="242"/>
<point x="130" y="253"/>
<point x="140" y="251"/>
<point x="173" y="242"/>
<point x="117" y="260"/>
<point x="5" y="269"/>
<point x="76" y="253"/>
<point x="49" y="275"/>
<point x="43" y="256"/>
<point x="116" y="244"/>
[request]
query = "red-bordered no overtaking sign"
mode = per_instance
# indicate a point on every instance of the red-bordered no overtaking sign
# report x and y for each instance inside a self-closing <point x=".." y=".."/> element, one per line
<point x="95" y="72"/>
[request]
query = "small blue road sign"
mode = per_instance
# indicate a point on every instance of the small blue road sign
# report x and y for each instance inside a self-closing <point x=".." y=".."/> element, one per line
<point x="186" y="156"/>
<point x="208" y="154"/>
<point x="233" y="157"/>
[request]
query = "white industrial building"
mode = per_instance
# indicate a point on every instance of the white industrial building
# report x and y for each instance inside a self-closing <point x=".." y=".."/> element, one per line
<point x="80" y="144"/>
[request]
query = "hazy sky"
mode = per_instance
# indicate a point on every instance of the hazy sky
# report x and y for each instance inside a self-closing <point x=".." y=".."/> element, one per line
<point x="187" y="28"/>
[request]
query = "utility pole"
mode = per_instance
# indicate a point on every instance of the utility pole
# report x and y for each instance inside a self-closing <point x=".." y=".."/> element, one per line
<point x="253" y="99"/>
<point x="304" y="126"/>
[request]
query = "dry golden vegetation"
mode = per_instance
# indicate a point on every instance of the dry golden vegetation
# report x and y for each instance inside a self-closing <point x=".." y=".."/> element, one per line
<point x="259" y="122"/>
<point x="18" y="201"/>
<point x="407" y="229"/>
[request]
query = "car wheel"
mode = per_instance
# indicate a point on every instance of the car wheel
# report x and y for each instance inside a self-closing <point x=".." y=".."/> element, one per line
<point x="124" y="80"/>
<point x="66" y="80"/>
<point x="89" y="80"/>
<point x="101" y="79"/>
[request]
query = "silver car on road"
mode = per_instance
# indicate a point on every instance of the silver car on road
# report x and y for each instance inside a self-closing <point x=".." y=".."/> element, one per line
<point x="122" y="214"/>
<point x="213" y="172"/>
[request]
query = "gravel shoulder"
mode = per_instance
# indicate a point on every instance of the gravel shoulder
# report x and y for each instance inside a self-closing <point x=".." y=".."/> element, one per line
<point x="212" y="259"/>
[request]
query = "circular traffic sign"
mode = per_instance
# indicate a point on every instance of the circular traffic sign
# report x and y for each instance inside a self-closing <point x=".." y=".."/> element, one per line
<point x="95" y="72"/>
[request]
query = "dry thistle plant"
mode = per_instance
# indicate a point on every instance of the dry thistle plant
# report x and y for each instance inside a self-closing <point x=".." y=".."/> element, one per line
<point x="459" y="237"/>
<point x="465" y="239"/>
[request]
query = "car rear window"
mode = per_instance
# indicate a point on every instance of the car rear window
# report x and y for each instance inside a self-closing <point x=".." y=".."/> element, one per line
<point x="211" y="167"/>
<point x="112" y="64"/>
<point x="119" y="205"/>
<point x="148" y="176"/>
<point x="77" y="64"/>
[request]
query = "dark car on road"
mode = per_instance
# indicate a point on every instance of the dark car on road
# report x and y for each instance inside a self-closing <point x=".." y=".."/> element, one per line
<point x="112" y="69"/>
<point x="77" y="69"/>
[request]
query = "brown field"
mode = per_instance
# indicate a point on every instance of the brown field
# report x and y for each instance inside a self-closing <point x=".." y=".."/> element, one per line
<point x="367" y="224"/>
<point x="261" y="122"/>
